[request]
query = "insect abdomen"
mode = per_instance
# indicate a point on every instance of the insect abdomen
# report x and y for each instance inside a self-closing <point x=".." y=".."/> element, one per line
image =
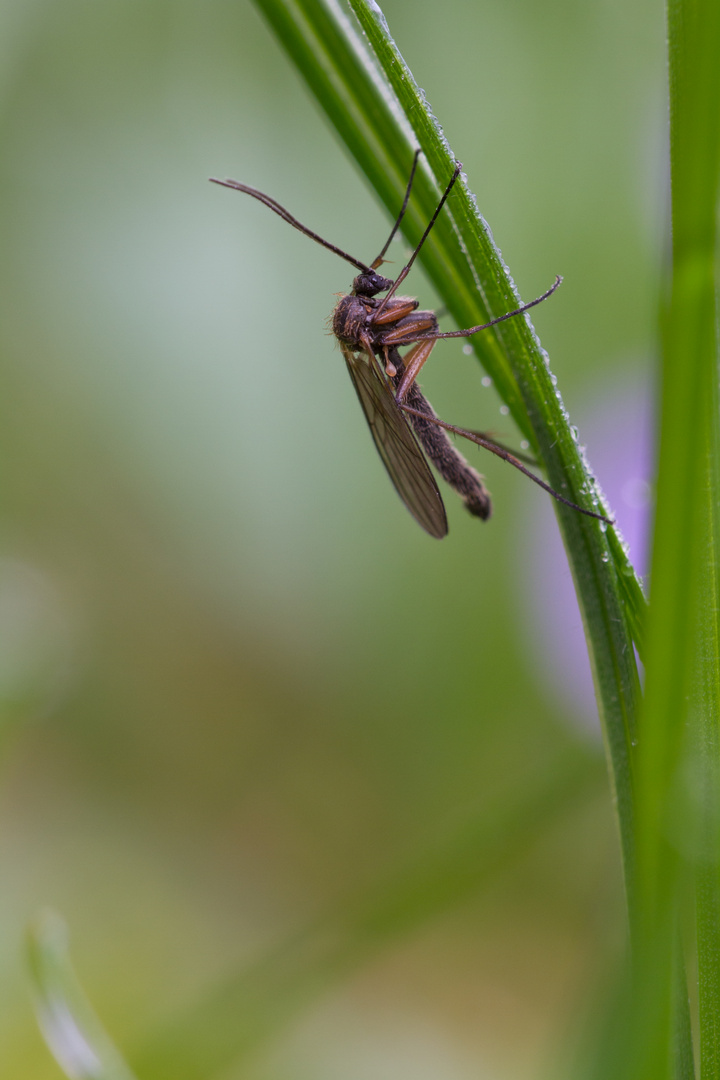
<point x="448" y="461"/>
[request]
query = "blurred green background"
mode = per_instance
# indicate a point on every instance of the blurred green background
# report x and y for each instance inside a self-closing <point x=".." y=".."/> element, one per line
<point x="239" y="685"/>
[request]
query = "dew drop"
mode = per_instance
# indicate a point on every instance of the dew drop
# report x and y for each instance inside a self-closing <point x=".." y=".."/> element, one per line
<point x="504" y="410"/>
<point x="486" y="380"/>
<point x="467" y="349"/>
<point x="524" y="445"/>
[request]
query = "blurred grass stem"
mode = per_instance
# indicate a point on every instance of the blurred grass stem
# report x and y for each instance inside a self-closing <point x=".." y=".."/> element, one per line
<point x="678" y="789"/>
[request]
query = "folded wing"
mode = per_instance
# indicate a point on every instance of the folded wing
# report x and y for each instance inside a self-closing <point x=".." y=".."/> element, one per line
<point x="397" y="445"/>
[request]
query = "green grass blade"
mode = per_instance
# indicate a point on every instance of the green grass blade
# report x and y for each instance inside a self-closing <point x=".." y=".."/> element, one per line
<point x="71" y="1029"/>
<point x="687" y="560"/>
<point x="678" y="793"/>
<point x="375" y="112"/>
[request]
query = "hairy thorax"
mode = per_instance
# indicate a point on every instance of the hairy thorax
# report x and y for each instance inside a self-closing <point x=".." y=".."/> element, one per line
<point x="375" y="321"/>
<point x="351" y="318"/>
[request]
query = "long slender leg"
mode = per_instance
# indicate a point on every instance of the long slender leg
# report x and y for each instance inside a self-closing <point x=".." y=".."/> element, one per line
<point x="410" y="330"/>
<point x="500" y="452"/>
<point x="413" y="361"/>
<point x="500" y="318"/>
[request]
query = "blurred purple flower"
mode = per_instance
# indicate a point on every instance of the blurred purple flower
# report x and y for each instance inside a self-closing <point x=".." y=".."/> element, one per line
<point x="616" y="427"/>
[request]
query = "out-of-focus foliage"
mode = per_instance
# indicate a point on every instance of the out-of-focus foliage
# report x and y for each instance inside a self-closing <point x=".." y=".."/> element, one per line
<point x="239" y="686"/>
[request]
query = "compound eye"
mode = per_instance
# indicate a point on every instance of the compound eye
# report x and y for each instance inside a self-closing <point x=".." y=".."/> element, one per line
<point x="380" y="284"/>
<point x="369" y="284"/>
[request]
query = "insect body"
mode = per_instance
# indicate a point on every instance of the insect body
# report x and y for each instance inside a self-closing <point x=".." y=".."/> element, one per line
<point x="365" y="334"/>
<point x="370" y="331"/>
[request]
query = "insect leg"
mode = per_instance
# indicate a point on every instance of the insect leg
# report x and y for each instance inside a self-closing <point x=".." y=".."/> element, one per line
<point x="410" y="328"/>
<point x="501" y="318"/>
<point x="398" y="308"/>
<point x="413" y="360"/>
<point x="446" y="458"/>
<point x="500" y="451"/>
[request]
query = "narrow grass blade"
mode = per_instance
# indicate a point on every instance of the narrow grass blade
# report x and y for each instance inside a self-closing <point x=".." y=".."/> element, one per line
<point x="684" y="674"/>
<point x="678" y="789"/>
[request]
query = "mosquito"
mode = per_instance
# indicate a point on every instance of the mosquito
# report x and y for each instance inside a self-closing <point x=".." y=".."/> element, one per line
<point x="370" y="331"/>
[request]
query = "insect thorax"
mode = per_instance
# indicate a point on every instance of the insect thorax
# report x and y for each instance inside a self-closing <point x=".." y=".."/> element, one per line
<point x="349" y="319"/>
